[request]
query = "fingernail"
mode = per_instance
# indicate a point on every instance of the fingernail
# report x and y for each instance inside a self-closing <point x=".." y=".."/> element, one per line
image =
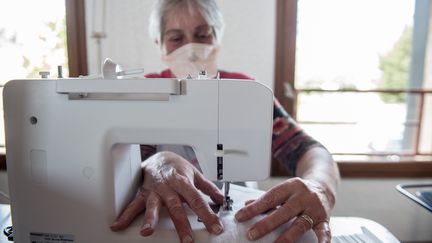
<point x="145" y="226"/>
<point x="217" y="229"/>
<point x="252" y="234"/>
<point x="239" y="216"/>
<point x="187" y="239"/>
<point x="146" y="230"/>
<point x="114" y="225"/>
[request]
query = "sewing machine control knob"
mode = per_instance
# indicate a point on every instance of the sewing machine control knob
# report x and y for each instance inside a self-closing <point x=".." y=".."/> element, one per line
<point x="44" y="74"/>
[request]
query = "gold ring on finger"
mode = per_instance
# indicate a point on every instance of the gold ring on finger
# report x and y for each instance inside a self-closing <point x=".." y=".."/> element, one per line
<point x="308" y="219"/>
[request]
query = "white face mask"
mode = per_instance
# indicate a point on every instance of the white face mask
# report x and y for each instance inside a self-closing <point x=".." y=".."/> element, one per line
<point x="192" y="58"/>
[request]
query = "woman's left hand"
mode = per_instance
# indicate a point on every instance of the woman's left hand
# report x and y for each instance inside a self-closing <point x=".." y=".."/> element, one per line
<point x="305" y="201"/>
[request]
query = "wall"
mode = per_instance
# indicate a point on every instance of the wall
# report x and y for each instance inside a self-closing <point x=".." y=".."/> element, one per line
<point x="247" y="46"/>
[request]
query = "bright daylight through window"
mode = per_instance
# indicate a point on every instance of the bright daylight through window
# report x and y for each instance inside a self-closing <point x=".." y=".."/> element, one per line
<point x="32" y="41"/>
<point x="362" y="75"/>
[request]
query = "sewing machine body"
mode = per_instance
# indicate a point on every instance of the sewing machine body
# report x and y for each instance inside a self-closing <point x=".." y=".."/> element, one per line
<point x="73" y="145"/>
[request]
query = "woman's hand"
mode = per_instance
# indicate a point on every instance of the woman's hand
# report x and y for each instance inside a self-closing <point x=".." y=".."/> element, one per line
<point x="169" y="180"/>
<point x="305" y="201"/>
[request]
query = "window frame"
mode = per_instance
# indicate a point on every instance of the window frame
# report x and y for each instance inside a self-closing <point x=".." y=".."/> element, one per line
<point x="76" y="37"/>
<point x="286" y="29"/>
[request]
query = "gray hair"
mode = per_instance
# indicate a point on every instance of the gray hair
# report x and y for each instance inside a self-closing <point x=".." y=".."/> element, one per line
<point x="208" y="9"/>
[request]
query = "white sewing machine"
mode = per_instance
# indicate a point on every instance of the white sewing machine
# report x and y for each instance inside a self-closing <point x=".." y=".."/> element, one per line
<point x="73" y="155"/>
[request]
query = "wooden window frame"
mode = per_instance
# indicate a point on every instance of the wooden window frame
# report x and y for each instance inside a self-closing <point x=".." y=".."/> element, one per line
<point x="286" y="28"/>
<point x="76" y="38"/>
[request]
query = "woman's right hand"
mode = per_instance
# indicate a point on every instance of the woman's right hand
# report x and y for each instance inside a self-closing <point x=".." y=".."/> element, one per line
<point x="169" y="180"/>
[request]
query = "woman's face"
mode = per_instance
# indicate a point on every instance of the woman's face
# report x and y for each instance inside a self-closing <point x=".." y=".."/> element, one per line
<point x="182" y="27"/>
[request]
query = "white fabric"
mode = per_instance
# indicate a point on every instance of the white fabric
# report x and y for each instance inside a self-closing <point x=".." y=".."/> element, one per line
<point x="234" y="231"/>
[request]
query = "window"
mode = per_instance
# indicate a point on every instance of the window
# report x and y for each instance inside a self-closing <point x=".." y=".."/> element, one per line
<point x="361" y="80"/>
<point x="34" y="45"/>
<point x="50" y="35"/>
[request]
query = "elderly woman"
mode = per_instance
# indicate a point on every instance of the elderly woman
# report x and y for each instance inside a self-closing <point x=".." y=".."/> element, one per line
<point x="188" y="32"/>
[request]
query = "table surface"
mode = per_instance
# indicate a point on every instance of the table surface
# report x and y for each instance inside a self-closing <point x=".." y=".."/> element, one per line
<point x="344" y="229"/>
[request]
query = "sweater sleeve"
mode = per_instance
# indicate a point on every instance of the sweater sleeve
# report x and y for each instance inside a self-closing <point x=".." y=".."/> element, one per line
<point x="147" y="151"/>
<point x="289" y="141"/>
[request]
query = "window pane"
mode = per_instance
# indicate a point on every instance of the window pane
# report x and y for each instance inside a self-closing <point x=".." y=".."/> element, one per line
<point x="340" y="42"/>
<point x="353" y="122"/>
<point x="358" y="46"/>
<point x="32" y="39"/>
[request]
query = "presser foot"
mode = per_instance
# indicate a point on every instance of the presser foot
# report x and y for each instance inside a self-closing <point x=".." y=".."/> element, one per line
<point x="227" y="204"/>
